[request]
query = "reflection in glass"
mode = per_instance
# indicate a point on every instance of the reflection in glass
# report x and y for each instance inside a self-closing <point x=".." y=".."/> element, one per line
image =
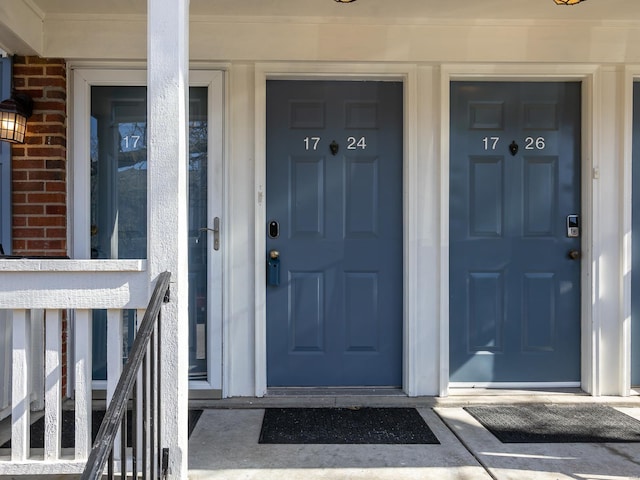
<point x="119" y="206"/>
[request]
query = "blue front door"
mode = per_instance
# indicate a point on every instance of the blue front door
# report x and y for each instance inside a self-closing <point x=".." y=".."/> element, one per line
<point x="514" y="266"/>
<point x="334" y="211"/>
<point x="635" y="254"/>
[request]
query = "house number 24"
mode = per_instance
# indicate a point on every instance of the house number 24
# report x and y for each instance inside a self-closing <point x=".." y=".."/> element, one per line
<point x="530" y="143"/>
<point x="353" y="143"/>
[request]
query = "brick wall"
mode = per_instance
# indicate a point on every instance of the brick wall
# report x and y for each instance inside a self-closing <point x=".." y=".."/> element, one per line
<point x="39" y="166"/>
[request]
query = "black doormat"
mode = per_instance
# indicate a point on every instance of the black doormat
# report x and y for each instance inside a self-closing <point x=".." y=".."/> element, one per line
<point x="345" y="426"/>
<point x="68" y="428"/>
<point x="557" y="423"/>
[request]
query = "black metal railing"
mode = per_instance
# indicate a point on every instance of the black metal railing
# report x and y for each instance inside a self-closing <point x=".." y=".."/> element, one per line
<point x="142" y="365"/>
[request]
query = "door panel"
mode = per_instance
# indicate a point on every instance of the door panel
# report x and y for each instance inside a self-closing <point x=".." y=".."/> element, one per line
<point x="336" y="317"/>
<point x="514" y="178"/>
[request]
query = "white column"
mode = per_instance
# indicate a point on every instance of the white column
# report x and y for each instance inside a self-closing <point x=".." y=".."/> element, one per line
<point x="607" y="331"/>
<point x="168" y="83"/>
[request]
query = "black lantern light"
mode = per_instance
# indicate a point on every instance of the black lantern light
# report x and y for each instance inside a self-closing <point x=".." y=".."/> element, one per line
<point x="14" y="112"/>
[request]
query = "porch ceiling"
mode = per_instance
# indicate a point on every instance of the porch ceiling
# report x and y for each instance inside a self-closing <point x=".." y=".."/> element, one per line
<point x="52" y="28"/>
<point x="379" y="9"/>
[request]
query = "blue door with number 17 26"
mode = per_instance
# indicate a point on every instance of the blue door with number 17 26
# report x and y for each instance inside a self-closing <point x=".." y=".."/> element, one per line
<point x="515" y="232"/>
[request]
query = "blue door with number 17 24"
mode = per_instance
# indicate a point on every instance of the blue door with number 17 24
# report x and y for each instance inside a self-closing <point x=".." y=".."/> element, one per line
<point x="334" y="214"/>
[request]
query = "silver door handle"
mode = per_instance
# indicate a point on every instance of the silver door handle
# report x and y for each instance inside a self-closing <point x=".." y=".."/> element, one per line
<point x="216" y="232"/>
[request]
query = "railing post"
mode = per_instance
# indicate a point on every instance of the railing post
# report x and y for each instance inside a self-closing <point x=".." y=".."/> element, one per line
<point x="37" y="359"/>
<point x="83" y="373"/>
<point x="53" y="385"/>
<point x="114" y="361"/>
<point x="20" y="391"/>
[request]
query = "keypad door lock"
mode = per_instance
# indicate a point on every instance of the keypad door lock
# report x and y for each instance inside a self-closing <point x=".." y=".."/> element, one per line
<point x="573" y="226"/>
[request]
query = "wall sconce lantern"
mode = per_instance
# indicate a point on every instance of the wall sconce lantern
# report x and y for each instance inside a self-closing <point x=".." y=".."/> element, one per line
<point x="14" y="112"/>
<point x="568" y="2"/>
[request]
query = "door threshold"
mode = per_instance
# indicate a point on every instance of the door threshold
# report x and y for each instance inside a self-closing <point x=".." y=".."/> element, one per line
<point x="335" y="392"/>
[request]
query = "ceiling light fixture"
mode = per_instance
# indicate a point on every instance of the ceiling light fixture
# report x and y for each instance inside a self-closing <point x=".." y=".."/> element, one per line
<point x="345" y="1"/>
<point x="568" y="2"/>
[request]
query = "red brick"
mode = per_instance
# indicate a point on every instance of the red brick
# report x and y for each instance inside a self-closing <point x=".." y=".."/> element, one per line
<point x="34" y="140"/>
<point x="17" y="150"/>
<point x="44" y="128"/>
<point x="55" y="118"/>
<point x="55" y="140"/>
<point x="56" y="175"/>
<point x="56" y="209"/>
<point x="39" y="166"/>
<point x="46" y="245"/>
<point x="45" y="151"/>
<point x="46" y="82"/>
<point x="19" y="175"/>
<point x="53" y="93"/>
<point x="28" y="70"/>
<point x="56" y="187"/>
<point x="35" y="118"/>
<point x="53" y="70"/>
<point x="46" y="221"/>
<point x="56" y="233"/>
<point x="55" y="164"/>
<point x="46" y="198"/>
<point x="18" y="198"/>
<point x="34" y="93"/>
<point x="28" y="232"/>
<point x="28" y="186"/>
<point x="28" y="164"/>
<point x="24" y="209"/>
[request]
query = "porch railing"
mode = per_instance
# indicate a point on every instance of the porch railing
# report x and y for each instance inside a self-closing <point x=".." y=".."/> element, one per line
<point x="36" y="296"/>
<point x="144" y="359"/>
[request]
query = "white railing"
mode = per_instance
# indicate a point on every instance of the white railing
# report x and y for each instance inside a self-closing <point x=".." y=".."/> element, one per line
<point x="35" y="294"/>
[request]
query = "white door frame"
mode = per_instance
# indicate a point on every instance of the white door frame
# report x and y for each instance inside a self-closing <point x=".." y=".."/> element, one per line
<point x="83" y="77"/>
<point x="590" y="312"/>
<point x="408" y="75"/>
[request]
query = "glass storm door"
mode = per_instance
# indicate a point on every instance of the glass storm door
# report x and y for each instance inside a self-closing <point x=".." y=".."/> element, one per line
<point x="119" y="206"/>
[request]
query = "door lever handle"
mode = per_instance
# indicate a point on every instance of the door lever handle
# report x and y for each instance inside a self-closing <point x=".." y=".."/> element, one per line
<point x="216" y="232"/>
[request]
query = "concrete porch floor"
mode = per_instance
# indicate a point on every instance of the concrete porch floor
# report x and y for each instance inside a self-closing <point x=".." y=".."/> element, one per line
<point x="224" y="444"/>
